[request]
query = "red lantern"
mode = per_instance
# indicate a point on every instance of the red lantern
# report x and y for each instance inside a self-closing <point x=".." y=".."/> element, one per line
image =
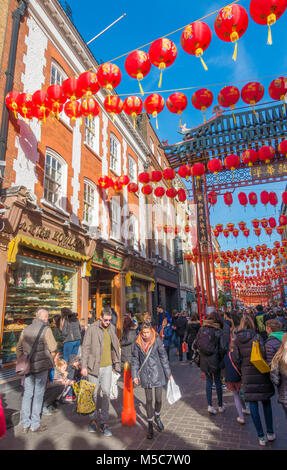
<point x="56" y="97"/>
<point x="232" y="162"/>
<point x="219" y="227"/>
<point x="137" y="66"/>
<point x="267" y="12"/>
<point x="246" y="232"/>
<point x="228" y="199"/>
<point x="40" y="114"/>
<point x="196" y="38"/>
<point x="156" y="176"/>
<point x="24" y="105"/>
<point x="235" y="232"/>
<point x="214" y="165"/>
<point x="282" y="148"/>
<point x="73" y="109"/>
<point x="90" y="108"/>
<point x="197" y="170"/>
<point x="226" y="232"/>
<point x="147" y="189"/>
<point x="266" y="153"/>
<point x="184" y="171"/>
<point x="230" y="24"/>
<point x="269" y="230"/>
<point x="249" y="157"/>
<point x="282" y="220"/>
<point x="118" y="186"/>
<point x="104" y="182"/>
<point x="133" y="188"/>
<point x="109" y="76"/>
<point x="177" y="103"/>
<point x="255" y="223"/>
<point x="11" y="102"/>
<point x="212" y="198"/>
<point x="257" y="231"/>
<point x="124" y="180"/>
<point x="113" y="105"/>
<point x="230" y="227"/>
<point x="181" y="195"/>
<point x="280" y="230"/>
<point x="159" y="191"/>
<point x="264" y="197"/>
<point x="40" y="102"/>
<point x="154" y="104"/>
<point x="88" y="84"/>
<point x="169" y="174"/>
<point x="162" y="54"/>
<point x="242" y="199"/>
<point x="272" y="222"/>
<point x="284" y="197"/>
<point x="144" y="178"/>
<point x="171" y="192"/>
<point x="252" y="93"/>
<point x="252" y="199"/>
<point x="273" y="199"/>
<point x="202" y="99"/>
<point x="278" y="89"/>
<point x="71" y="90"/>
<point x="133" y="106"/>
<point x="228" y="97"/>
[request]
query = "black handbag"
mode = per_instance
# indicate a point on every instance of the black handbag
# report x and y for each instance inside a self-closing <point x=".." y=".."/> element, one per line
<point x="23" y="364"/>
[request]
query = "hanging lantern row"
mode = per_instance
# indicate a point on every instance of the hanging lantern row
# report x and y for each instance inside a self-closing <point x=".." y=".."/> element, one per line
<point x="265" y="198"/>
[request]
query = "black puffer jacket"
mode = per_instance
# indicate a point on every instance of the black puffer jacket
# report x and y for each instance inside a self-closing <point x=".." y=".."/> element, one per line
<point x="156" y="370"/>
<point x="181" y="324"/>
<point x="214" y="362"/>
<point x="256" y="386"/>
<point x="191" y="332"/>
<point x="127" y="344"/>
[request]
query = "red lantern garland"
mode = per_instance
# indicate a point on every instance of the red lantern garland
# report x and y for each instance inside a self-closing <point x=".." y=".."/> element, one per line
<point x="137" y="66"/>
<point x="73" y="109"/>
<point x="273" y="199"/>
<point x="40" y="102"/>
<point x="184" y="171"/>
<point x="196" y="38"/>
<point x="169" y="174"/>
<point x="162" y="54"/>
<point x="90" y="108"/>
<point x="232" y="162"/>
<point x="181" y="195"/>
<point x="228" y="97"/>
<point x="214" y="165"/>
<point x="230" y="25"/>
<point x="71" y="89"/>
<point x="24" y="105"/>
<point x="56" y="98"/>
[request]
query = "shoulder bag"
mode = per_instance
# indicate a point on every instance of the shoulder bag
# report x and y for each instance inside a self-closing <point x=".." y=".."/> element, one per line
<point x="23" y="364"/>
<point x="144" y="362"/>
<point x="256" y="358"/>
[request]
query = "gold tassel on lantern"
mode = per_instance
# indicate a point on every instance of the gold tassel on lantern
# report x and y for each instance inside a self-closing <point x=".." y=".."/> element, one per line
<point x="271" y="19"/>
<point x="162" y="67"/>
<point x="140" y="77"/>
<point x="234" y="38"/>
<point x="199" y="53"/>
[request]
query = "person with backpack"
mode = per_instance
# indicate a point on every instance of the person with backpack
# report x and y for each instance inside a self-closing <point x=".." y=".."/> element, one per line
<point x="191" y="331"/>
<point x="259" y="322"/>
<point x="274" y="340"/>
<point x="180" y="328"/>
<point x="212" y="343"/>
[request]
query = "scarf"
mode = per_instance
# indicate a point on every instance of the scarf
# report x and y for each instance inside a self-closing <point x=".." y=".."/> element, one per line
<point x="147" y="342"/>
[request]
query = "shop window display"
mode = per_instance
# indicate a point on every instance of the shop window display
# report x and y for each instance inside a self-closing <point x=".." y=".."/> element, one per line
<point x="32" y="284"/>
<point x="136" y="299"/>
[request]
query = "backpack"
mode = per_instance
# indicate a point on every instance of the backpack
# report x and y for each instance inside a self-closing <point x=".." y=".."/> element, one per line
<point x="206" y="342"/>
<point x="260" y="323"/>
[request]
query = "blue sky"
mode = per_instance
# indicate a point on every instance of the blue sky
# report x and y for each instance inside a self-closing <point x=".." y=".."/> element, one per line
<point x="150" y="20"/>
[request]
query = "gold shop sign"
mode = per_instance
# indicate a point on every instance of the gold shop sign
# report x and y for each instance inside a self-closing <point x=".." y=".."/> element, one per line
<point x="273" y="170"/>
<point x="62" y="240"/>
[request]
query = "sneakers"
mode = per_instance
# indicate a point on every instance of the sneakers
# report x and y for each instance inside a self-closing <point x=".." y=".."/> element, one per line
<point x="70" y="398"/>
<point x="41" y="428"/>
<point x="262" y="441"/>
<point x="271" y="437"/>
<point x="159" y="425"/>
<point x="211" y="410"/>
<point x="245" y="411"/>
<point x="240" y="420"/>
<point x="92" y="426"/>
<point x="221" y="409"/>
<point x="105" y="430"/>
<point x="224" y="388"/>
<point x="25" y="430"/>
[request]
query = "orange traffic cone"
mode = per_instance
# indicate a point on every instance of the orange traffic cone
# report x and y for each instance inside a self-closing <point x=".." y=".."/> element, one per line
<point x="129" y="416"/>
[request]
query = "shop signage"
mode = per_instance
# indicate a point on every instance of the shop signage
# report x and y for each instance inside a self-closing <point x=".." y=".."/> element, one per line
<point x="106" y="259"/>
<point x="62" y="240"/>
<point x="178" y="256"/>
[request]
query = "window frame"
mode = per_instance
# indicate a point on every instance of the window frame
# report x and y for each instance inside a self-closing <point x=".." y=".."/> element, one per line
<point x="115" y="222"/>
<point x="95" y="145"/>
<point x="92" y="206"/>
<point x="133" y="179"/>
<point x="61" y="201"/>
<point x="115" y="158"/>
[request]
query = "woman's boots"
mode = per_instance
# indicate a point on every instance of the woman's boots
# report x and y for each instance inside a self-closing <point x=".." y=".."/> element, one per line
<point x="150" y="430"/>
<point x="159" y="425"/>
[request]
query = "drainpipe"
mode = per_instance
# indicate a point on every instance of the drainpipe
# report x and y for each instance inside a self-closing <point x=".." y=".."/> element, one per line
<point x="17" y="16"/>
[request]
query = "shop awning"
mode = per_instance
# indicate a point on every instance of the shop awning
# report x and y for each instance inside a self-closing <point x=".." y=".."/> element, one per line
<point x="43" y="247"/>
<point x="131" y="274"/>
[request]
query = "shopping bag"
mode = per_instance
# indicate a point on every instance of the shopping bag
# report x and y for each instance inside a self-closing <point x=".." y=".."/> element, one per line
<point x="257" y="360"/>
<point x="114" y="386"/>
<point x="184" y="347"/>
<point x="84" y="392"/>
<point x="2" y="421"/>
<point x="173" y="392"/>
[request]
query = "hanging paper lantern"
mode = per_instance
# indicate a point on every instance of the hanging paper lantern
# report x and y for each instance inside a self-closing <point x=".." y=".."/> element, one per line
<point x="232" y="162"/>
<point x="226" y="232"/>
<point x="202" y="99"/>
<point x="212" y="198"/>
<point x="230" y="24"/>
<point x="228" y="97"/>
<point x="196" y="38"/>
<point x="264" y="223"/>
<point x="284" y="197"/>
<point x="133" y="106"/>
<point x="56" y="97"/>
<point x="124" y="180"/>
<point x="156" y="176"/>
<point x="113" y="105"/>
<point x="216" y="233"/>
<point x="162" y="54"/>
<point x="214" y="165"/>
<point x="90" y="108"/>
<point x="177" y="103"/>
<point x="252" y="93"/>
<point x="228" y="199"/>
<point x="187" y="229"/>
<point x="11" y="102"/>
<point x="267" y="12"/>
<point x="272" y="222"/>
<point x="246" y="232"/>
<point x="132" y="188"/>
<point x="40" y="114"/>
<point x="24" y="103"/>
<point x="219" y="227"/>
<point x="118" y="186"/>
<point x="144" y="177"/>
<point x="255" y="223"/>
<point x="169" y="174"/>
<point x="197" y="170"/>
<point x="184" y="171"/>
<point x="264" y="197"/>
<point x="159" y="191"/>
<point x="73" y="109"/>
<point x="252" y="199"/>
<point x="282" y="148"/>
<point x="266" y="153"/>
<point x="235" y="232"/>
<point x="71" y="90"/>
<point x="273" y="199"/>
<point x="278" y="90"/>
<point x="109" y="76"/>
<point x="268" y="230"/>
<point x="171" y="193"/>
<point x="257" y="231"/>
<point x="282" y="220"/>
<point x="249" y="157"/>
<point x="40" y="102"/>
<point x="88" y="84"/>
<point x="137" y="66"/>
<point x="153" y="105"/>
<point x="230" y="227"/>
<point x="147" y="189"/>
<point x="104" y="182"/>
<point x="242" y="199"/>
<point x="280" y="230"/>
<point x="181" y="195"/>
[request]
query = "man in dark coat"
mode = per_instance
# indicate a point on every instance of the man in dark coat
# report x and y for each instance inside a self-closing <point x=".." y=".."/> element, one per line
<point x="180" y="328"/>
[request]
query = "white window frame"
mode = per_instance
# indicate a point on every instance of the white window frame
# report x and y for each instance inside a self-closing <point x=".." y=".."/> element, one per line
<point x="159" y="157"/>
<point x="61" y="201"/>
<point x="61" y="73"/>
<point x="92" y="213"/>
<point x="134" y="231"/>
<point x="151" y="144"/>
<point x="115" y="157"/>
<point x="92" y="133"/>
<point x="133" y="173"/>
<point x="115" y="218"/>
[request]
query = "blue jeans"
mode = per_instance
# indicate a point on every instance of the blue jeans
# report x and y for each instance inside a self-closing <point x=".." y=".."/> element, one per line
<point x="34" y="389"/>
<point x="71" y="347"/>
<point x="267" y="409"/>
<point x="218" y="384"/>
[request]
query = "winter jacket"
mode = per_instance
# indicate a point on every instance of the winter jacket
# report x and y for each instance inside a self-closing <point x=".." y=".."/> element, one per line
<point x="279" y="378"/>
<point x="181" y="324"/>
<point x="272" y="344"/>
<point x="92" y="348"/>
<point x="231" y="374"/>
<point x="127" y="344"/>
<point x="191" y="331"/>
<point x="167" y="335"/>
<point x="256" y="386"/>
<point x="156" y="370"/>
<point x="214" y="362"/>
<point x="71" y="331"/>
<point x="283" y="322"/>
<point x="260" y="325"/>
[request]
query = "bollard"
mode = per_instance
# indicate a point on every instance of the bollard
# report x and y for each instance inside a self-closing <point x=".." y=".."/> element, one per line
<point x="129" y="413"/>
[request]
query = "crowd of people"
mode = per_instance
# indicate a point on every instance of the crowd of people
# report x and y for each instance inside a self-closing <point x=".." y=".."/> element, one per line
<point x="221" y="345"/>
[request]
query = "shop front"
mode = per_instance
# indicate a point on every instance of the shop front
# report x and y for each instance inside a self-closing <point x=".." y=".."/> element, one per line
<point x="167" y="289"/>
